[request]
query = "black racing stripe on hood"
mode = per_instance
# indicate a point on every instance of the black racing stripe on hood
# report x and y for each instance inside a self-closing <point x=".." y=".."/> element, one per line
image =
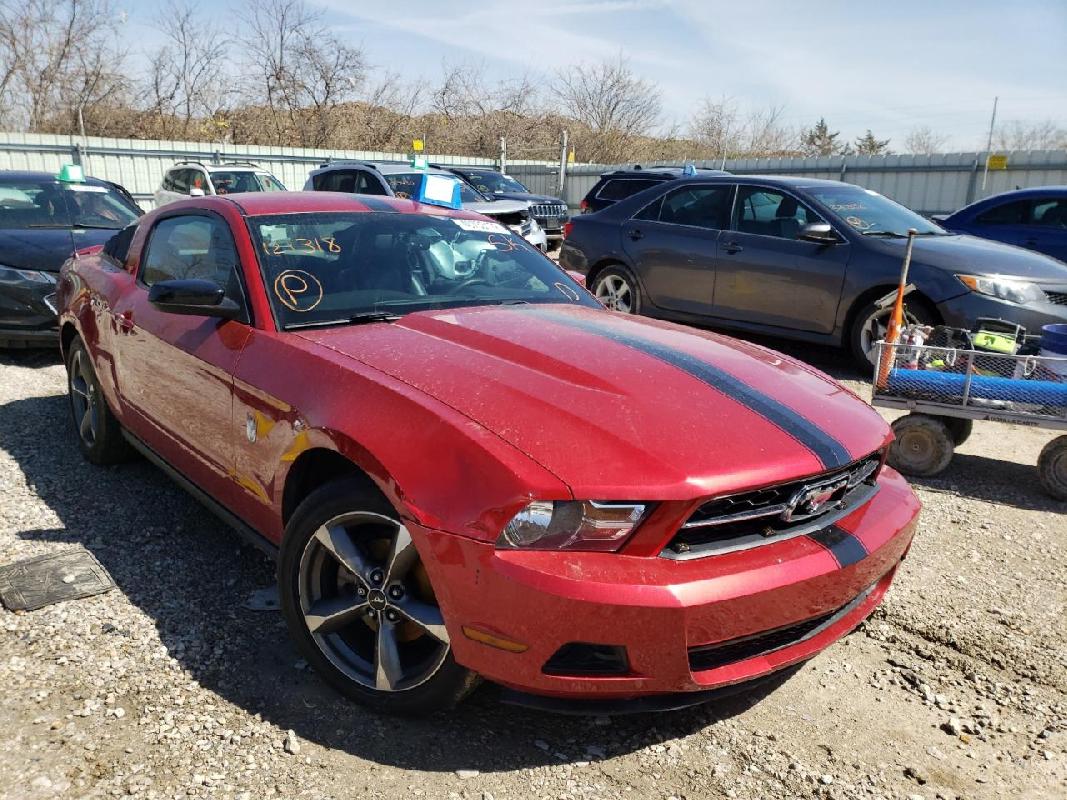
<point x="826" y="448"/>
<point x="376" y="204"/>
<point x="843" y="546"/>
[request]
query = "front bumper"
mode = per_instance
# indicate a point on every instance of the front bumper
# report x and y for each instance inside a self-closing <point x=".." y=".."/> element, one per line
<point x="658" y="609"/>
<point x="962" y="311"/>
<point x="28" y="314"/>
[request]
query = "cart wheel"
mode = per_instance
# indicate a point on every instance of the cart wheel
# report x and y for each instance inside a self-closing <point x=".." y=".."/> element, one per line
<point x="923" y="447"/>
<point x="1052" y="467"/>
<point x="959" y="428"/>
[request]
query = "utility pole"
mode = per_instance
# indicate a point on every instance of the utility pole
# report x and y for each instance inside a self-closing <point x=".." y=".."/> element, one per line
<point x="989" y="142"/>
<point x="504" y="154"/>
<point x="562" y="161"/>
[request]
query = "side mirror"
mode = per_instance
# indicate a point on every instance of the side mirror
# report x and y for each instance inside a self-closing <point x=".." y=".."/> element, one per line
<point x="196" y="192"/>
<point x="818" y="232"/>
<point x="193" y="296"/>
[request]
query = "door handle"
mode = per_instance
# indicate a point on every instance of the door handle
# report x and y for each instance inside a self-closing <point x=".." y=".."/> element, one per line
<point x="635" y="234"/>
<point x="732" y="247"/>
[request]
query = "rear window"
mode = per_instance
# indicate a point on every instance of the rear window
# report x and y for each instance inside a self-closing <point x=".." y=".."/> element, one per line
<point x="621" y="188"/>
<point x="1014" y="213"/>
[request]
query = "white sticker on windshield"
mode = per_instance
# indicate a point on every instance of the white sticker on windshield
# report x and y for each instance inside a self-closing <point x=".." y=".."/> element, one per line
<point x="85" y="187"/>
<point x="480" y="225"/>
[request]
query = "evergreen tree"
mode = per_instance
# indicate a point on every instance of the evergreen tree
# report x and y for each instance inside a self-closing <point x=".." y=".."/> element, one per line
<point x="868" y="145"/>
<point x="820" y="141"/>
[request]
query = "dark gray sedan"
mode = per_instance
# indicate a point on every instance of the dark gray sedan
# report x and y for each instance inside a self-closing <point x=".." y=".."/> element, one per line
<point x="800" y="258"/>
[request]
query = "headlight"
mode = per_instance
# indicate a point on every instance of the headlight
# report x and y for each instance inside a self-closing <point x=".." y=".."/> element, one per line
<point x="12" y="275"/>
<point x="572" y="525"/>
<point x="1010" y="289"/>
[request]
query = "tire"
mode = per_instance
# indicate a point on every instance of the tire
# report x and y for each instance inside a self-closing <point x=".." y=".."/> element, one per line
<point x="99" y="434"/>
<point x="923" y="446"/>
<point x="1052" y="467"/>
<point x="959" y="427"/>
<point x="617" y="288"/>
<point x="861" y="336"/>
<point x="371" y="629"/>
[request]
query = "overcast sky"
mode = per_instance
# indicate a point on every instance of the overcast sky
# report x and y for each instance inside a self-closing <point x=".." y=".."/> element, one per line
<point x="886" y="66"/>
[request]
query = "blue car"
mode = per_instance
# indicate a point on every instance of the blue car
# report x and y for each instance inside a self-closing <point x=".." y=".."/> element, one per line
<point x="1032" y="218"/>
<point x="43" y="219"/>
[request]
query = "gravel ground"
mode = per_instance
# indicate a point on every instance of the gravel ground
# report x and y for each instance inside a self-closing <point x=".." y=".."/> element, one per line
<point x="169" y="687"/>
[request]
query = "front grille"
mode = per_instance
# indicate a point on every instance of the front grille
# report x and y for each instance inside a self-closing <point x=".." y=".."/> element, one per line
<point x="710" y="656"/>
<point x="749" y="519"/>
<point x="1059" y="298"/>
<point x="540" y="210"/>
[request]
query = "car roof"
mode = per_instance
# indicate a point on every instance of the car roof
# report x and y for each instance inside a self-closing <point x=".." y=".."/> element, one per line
<point x="1028" y="192"/>
<point x="637" y="171"/>
<point x="382" y="167"/>
<point x="35" y="175"/>
<point x="252" y="204"/>
<point x="224" y="166"/>
<point x="784" y="181"/>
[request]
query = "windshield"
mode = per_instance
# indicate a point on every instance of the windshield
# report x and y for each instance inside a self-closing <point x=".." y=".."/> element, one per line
<point x="326" y="269"/>
<point x="405" y="185"/>
<point x="871" y="214"/>
<point x="494" y="182"/>
<point x="44" y="203"/>
<point x="233" y="181"/>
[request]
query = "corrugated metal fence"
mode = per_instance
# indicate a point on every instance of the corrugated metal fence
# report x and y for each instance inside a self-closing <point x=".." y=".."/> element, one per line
<point x="139" y="164"/>
<point x="929" y="184"/>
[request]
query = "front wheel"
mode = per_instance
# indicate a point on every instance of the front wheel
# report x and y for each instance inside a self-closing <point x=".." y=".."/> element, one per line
<point x="923" y="446"/>
<point x="870" y="324"/>
<point x="617" y="289"/>
<point x="1052" y="467"/>
<point x="360" y="607"/>
<point x="100" y="436"/>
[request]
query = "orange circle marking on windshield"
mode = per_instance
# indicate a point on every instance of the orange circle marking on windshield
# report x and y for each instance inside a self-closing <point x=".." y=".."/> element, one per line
<point x="502" y="242"/>
<point x="298" y="290"/>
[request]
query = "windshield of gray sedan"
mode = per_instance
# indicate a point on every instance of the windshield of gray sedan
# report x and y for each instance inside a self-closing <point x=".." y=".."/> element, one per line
<point x="405" y="185"/>
<point x="872" y="214"/>
<point x="336" y="268"/>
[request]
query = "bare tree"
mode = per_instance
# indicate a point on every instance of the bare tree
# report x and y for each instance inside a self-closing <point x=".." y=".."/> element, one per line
<point x="611" y="100"/>
<point x="299" y="70"/>
<point x="1018" y="135"/>
<point x="717" y="126"/>
<point x="187" y="78"/>
<point x="924" y="141"/>
<point x="59" y="57"/>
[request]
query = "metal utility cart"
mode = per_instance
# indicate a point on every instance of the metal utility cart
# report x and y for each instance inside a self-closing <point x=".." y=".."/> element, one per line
<point x="946" y="388"/>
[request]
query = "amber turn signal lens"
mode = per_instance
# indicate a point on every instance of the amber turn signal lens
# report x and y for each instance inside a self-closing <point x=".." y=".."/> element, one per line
<point x="494" y="641"/>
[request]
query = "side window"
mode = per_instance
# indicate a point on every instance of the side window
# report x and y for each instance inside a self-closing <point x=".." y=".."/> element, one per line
<point x="1051" y="213"/>
<point x="1015" y="213"/>
<point x="651" y="211"/>
<point x="770" y="213"/>
<point x="198" y="180"/>
<point x="168" y="181"/>
<point x="338" y="180"/>
<point x="179" y="181"/>
<point x="368" y="184"/>
<point x="118" y="246"/>
<point x="191" y="247"/>
<point x="698" y="206"/>
<point x="621" y="188"/>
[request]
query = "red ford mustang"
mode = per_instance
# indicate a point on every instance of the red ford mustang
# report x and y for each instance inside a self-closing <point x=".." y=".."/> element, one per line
<point x="467" y="467"/>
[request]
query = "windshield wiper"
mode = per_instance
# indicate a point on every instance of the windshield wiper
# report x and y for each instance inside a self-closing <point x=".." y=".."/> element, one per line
<point x="889" y="234"/>
<point x="85" y="226"/>
<point x="355" y="319"/>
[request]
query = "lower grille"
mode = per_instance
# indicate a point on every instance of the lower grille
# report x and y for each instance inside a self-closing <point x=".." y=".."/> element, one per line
<point x="1058" y="298"/>
<point x="749" y="519"/>
<point x="511" y="218"/>
<point x="710" y="656"/>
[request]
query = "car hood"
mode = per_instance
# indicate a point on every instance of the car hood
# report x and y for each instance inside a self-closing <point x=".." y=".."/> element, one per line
<point x="493" y="208"/>
<point x="971" y="254"/>
<point x="622" y="407"/>
<point x="45" y="248"/>
<point x="529" y="198"/>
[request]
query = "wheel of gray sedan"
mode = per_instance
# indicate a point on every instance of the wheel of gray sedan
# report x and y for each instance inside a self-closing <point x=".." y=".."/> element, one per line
<point x="869" y="326"/>
<point x="99" y="433"/>
<point x="617" y="289"/>
<point x="360" y="606"/>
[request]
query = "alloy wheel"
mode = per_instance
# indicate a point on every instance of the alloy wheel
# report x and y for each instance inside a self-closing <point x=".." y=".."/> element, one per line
<point x="83" y="398"/>
<point x="615" y="292"/>
<point x="368" y="603"/>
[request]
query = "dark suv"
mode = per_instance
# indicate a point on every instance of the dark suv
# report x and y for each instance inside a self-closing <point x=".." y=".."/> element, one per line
<point x="550" y="212"/>
<point x="622" y="183"/>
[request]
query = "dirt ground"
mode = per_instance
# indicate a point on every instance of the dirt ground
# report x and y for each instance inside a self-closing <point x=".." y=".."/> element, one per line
<point x="170" y="687"/>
